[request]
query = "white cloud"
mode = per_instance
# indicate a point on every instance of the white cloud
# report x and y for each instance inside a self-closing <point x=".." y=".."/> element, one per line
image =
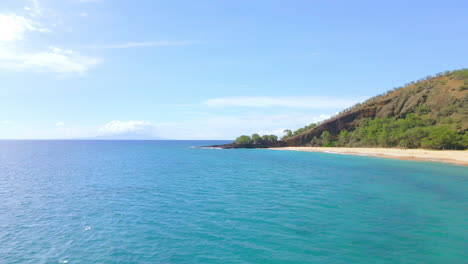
<point x="14" y="27"/>
<point x="15" y="32"/>
<point x="208" y="126"/>
<point x="293" y="102"/>
<point x="55" y="60"/>
<point x="146" y="44"/>
<point x="59" y="124"/>
<point x="132" y="127"/>
<point x="5" y="122"/>
<point x="83" y="14"/>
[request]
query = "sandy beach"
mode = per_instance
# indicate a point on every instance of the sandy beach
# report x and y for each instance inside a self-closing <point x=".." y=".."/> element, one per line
<point x="458" y="157"/>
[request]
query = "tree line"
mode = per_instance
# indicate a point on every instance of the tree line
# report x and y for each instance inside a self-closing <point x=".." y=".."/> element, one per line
<point x="409" y="132"/>
<point x="256" y="139"/>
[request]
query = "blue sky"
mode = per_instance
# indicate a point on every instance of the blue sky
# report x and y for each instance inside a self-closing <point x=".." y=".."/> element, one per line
<point x="210" y="69"/>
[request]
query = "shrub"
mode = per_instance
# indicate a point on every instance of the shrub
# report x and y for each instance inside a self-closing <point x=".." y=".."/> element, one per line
<point x="442" y="137"/>
<point x="422" y="110"/>
<point x="460" y="74"/>
<point x="463" y="88"/>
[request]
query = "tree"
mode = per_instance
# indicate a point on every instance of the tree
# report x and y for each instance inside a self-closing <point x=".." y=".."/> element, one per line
<point x="299" y="131"/>
<point x="243" y="140"/>
<point x="464" y="141"/>
<point x="273" y="138"/>
<point x="327" y="139"/>
<point x="256" y="139"/>
<point x="343" y="138"/>
<point x="414" y="137"/>
<point x="270" y="138"/>
<point x="316" y="142"/>
<point x="287" y="134"/>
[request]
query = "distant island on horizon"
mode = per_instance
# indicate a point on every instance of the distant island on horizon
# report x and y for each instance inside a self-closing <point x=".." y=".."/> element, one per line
<point x="431" y="113"/>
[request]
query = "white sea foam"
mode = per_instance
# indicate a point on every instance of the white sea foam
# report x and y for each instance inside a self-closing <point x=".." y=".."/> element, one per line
<point x="207" y="147"/>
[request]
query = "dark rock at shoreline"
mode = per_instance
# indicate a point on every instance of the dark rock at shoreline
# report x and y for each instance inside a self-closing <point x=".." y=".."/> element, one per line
<point x="277" y="144"/>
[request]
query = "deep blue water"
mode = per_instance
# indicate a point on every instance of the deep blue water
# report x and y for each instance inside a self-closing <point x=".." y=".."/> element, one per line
<point x="164" y="202"/>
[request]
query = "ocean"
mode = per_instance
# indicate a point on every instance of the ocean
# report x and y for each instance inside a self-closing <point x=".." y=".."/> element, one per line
<point x="167" y="202"/>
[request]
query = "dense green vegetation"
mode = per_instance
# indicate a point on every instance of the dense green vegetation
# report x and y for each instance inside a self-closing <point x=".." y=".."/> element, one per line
<point x="409" y="132"/>
<point x="256" y="139"/>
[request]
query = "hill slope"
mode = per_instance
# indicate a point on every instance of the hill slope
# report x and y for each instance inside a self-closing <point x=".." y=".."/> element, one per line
<point x="436" y="101"/>
<point x="429" y="113"/>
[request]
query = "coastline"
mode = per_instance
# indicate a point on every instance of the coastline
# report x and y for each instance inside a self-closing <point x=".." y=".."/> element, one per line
<point x="457" y="157"/>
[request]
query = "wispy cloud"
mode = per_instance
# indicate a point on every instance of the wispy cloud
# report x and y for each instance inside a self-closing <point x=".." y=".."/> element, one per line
<point x="293" y="102"/>
<point x="34" y="9"/>
<point x="54" y="59"/>
<point x="146" y="44"/>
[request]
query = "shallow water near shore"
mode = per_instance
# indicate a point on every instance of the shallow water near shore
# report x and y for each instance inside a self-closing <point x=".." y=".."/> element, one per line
<point x="165" y="202"/>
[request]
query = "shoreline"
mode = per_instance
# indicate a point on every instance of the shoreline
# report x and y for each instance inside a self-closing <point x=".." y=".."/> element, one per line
<point x="457" y="157"/>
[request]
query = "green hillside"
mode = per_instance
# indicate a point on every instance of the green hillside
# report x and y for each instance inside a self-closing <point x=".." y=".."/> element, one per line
<point x="430" y="113"/>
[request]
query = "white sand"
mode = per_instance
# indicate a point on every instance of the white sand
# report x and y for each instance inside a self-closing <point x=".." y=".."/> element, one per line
<point x="459" y="157"/>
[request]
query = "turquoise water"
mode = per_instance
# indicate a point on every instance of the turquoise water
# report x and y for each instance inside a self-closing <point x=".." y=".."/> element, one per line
<point x="164" y="202"/>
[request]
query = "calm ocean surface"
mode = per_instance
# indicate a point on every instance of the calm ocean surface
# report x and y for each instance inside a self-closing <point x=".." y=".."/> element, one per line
<point x="164" y="202"/>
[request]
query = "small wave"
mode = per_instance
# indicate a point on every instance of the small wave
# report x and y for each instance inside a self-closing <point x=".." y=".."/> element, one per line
<point x="334" y="152"/>
<point x="206" y="147"/>
<point x="346" y="153"/>
<point x="87" y="228"/>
